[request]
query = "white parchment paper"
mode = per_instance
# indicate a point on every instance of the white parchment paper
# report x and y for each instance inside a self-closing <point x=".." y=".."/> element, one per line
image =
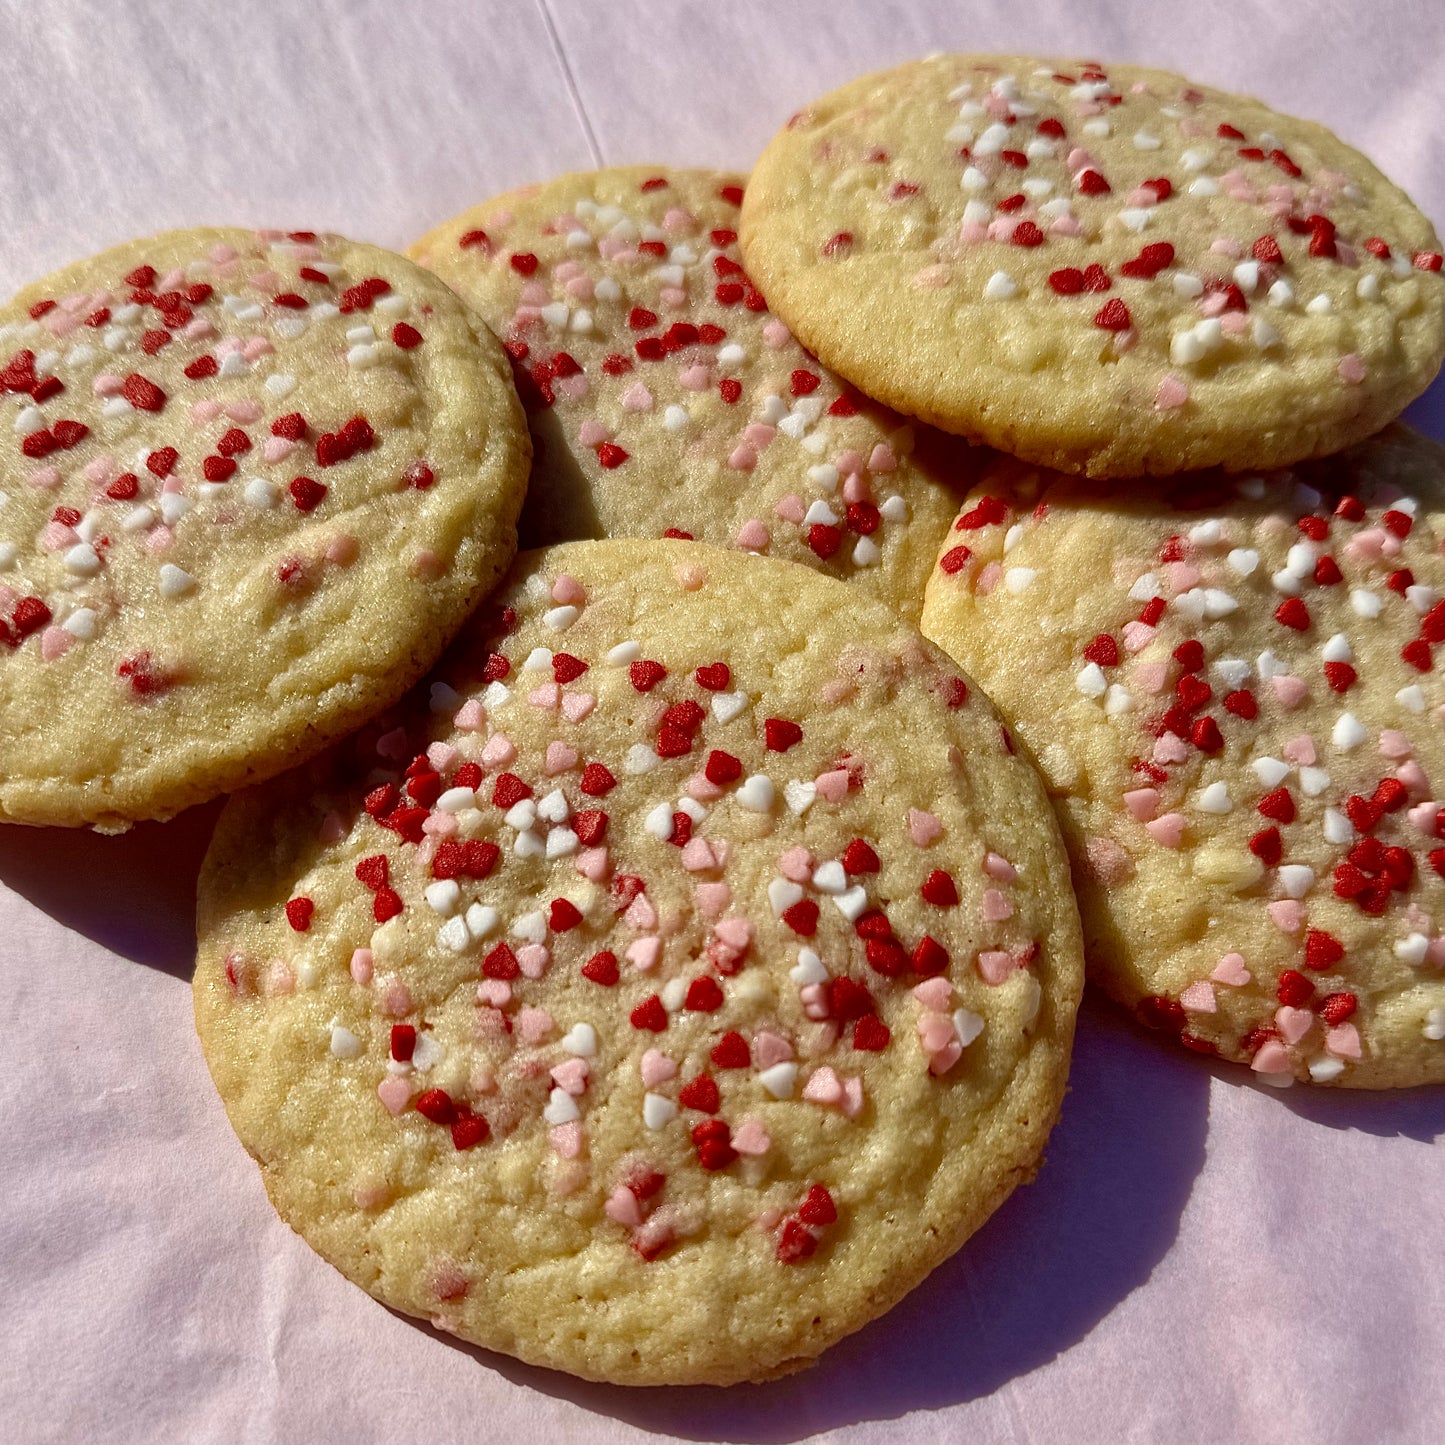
<point x="1198" y="1260"/>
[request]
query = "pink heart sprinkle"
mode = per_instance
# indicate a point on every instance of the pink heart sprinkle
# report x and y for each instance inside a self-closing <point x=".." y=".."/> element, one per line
<point x="941" y="1062"/>
<point x="1142" y="803"/>
<point x="534" y="1024"/>
<point x="1343" y="1041"/>
<point x="532" y="959"/>
<point x="1293" y="1023"/>
<point x="559" y="758"/>
<point x="1289" y="690"/>
<point x="622" y="1206"/>
<point x="577" y="705"/>
<point x="770" y="1048"/>
<point x="566" y="1139"/>
<point x="995" y="907"/>
<point x="656" y="1068"/>
<point x="823" y="1086"/>
<point x="1271" y="1058"/>
<point x="753" y="535"/>
<point x="498" y="751"/>
<point x="571" y="1075"/>
<point x="936" y="1031"/>
<point x="994" y="965"/>
<point x="643" y="953"/>
<point x="1394" y="744"/>
<point x="882" y="459"/>
<point x="750" y="1137"/>
<point x="796" y="864"/>
<point x="735" y="932"/>
<point x="592" y="863"/>
<point x="935" y="994"/>
<point x="999" y="867"/>
<point x="395" y="1093"/>
<point x="1300" y="750"/>
<point x="470" y="716"/>
<point x="1138" y="636"/>
<point x="640" y="913"/>
<point x="712" y="898"/>
<point x="1231" y="970"/>
<point x="1287" y="914"/>
<point x="1413" y="776"/>
<point x="701" y="787"/>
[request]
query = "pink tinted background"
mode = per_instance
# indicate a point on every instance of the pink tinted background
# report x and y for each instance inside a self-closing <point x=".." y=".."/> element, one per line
<point x="1198" y="1260"/>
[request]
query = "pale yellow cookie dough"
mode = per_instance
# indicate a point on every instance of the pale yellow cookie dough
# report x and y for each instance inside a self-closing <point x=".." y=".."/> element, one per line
<point x="1107" y="270"/>
<point x="250" y="485"/>
<point x="1233" y="688"/>
<point x="727" y="1118"/>
<point x="663" y="395"/>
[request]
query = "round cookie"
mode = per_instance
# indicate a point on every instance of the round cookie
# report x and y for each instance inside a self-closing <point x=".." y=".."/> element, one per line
<point x="1104" y="269"/>
<point x="664" y="397"/>
<point x="662" y="992"/>
<point x="250" y="485"/>
<point x="1240" y="727"/>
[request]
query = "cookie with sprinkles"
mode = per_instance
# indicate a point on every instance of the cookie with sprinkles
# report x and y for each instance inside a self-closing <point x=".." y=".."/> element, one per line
<point x="665" y="399"/>
<point x="1104" y="269"/>
<point x="251" y="483"/>
<point x="681" y="974"/>
<point x="1242" y="737"/>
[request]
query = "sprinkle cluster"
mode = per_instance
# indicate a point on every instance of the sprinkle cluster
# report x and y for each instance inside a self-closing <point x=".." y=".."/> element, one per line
<point x="1255" y="762"/>
<point x="637" y="323"/>
<point x="153" y="422"/>
<point x="573" y="821"/>
<point x="1152" y="210"/>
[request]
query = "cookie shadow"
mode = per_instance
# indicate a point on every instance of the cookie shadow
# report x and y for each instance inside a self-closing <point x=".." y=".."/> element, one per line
<point x="1389" y="1113"/>
<point x="1427" y="412"/>
<point x="1035" y="1280"/>
<point x="133" y="893"/>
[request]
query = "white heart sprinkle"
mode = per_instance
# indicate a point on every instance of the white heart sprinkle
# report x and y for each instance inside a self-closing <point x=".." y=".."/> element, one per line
<point x="727" y="705"/>
<point x="443" y="896"/>
<point x="756" y="794"/>
<point x="561" y="1108"/>
<point x="581" y="1039"/>
<point x="657" y="1110"/>
<point x="799" y="796"/>
<point x="453" y="935"/>
<point x="967" y="1025"/>
<point x="783" y="893"/>
<point x="809" y="969"/>
<point x="780" y="1079"/>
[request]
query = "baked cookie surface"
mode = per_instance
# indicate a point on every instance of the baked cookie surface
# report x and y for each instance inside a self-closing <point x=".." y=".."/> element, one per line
<point x="1102" y="269"/>
<point x="1239" y="721"/>
<point x="664" y="989"/>
<point x="250" y="485"/>
<point x="665" y="398"/>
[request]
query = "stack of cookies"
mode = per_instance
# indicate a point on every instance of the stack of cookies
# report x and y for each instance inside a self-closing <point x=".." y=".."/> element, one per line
<point x="687" y="963"/>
